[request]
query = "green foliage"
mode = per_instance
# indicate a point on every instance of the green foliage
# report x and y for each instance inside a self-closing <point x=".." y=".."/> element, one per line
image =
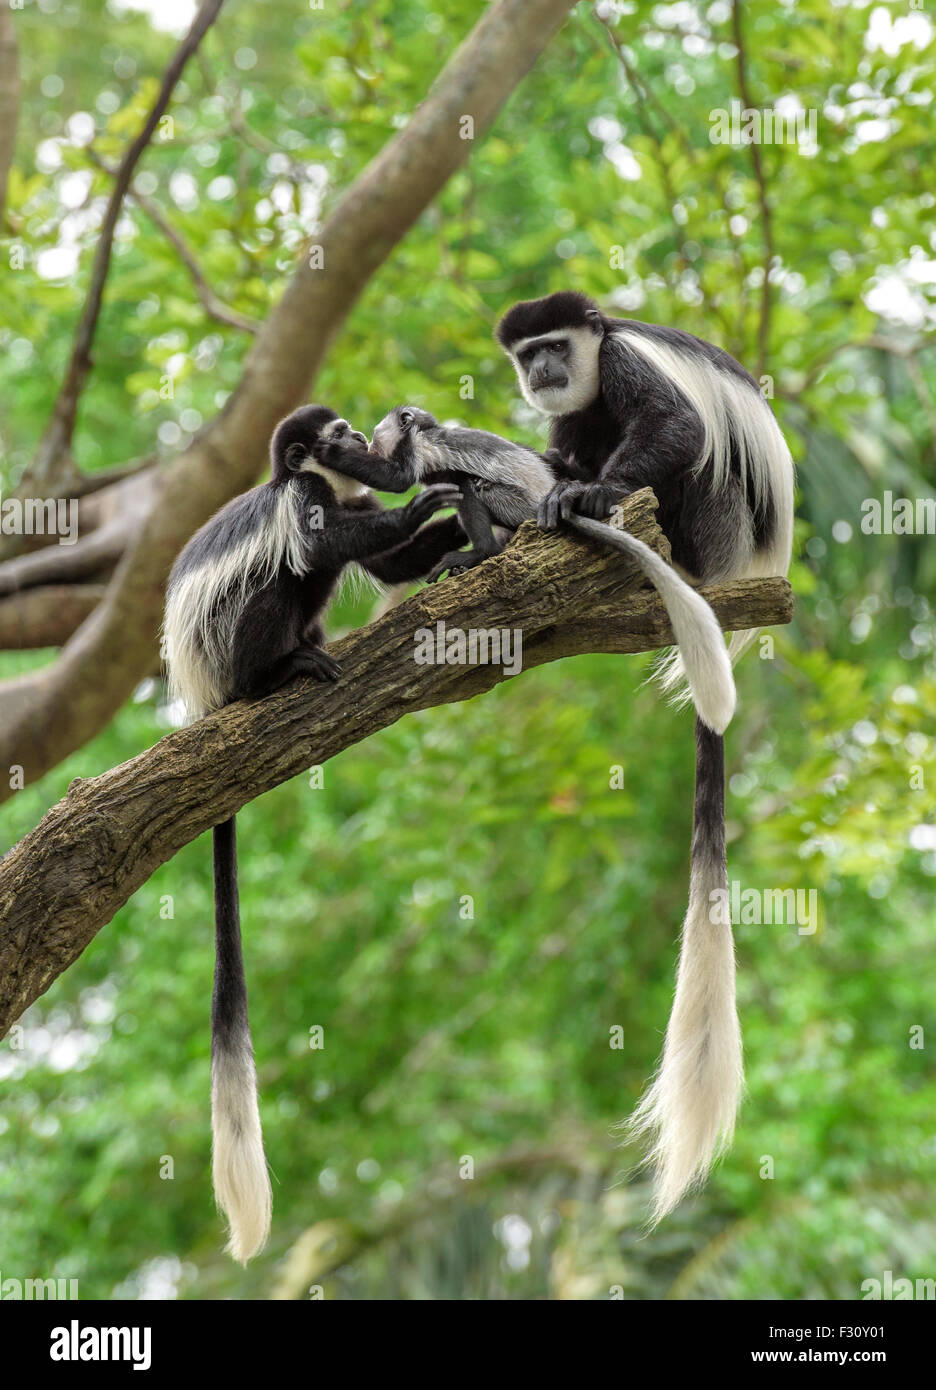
<point x="449" y="1034"/>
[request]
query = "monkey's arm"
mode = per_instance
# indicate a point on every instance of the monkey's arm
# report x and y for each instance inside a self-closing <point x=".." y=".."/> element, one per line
<point x="268" y="647"/>
<point x="476" y="519"/>
<point x="351" y="458"/>
<point x="348" y="535"/>
<point x="661" y="433"/>
<point x="563" y="469"/>
<point x="414" y="558"/>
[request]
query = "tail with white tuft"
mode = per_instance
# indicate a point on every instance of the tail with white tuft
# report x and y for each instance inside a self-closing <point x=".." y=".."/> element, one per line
<point x="688" y="1114"/>
<point x="670" y="672"/>
<point x="239" y="1170"/>
<point x="703" y="655"/>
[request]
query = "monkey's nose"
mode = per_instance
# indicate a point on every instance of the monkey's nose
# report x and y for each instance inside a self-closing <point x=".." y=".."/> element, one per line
<point x="356" y="434"/>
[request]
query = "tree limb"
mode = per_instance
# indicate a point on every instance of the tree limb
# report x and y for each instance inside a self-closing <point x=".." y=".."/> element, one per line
<point x="98" y="669"/>
<point x="9" y="99"/>
<point x="214" y="307"/>
<point x="69" y="876"/>
<point x="108" y="521"/>
<point x="47" y="616"/>
<point x="55" y="443"/>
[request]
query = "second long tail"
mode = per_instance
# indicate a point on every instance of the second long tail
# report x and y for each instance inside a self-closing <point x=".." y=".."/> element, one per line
<point x="688" y="1113"/>
<point x="704" y="656"/>
<point x="239" y="1169"/>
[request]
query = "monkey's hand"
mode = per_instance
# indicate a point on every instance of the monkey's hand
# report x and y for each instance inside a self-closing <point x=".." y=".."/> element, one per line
<point x="598" y="500"/>
<point x="343" y="452"/>
<point x="559" y="504"/>
<point x="427" y="503"/>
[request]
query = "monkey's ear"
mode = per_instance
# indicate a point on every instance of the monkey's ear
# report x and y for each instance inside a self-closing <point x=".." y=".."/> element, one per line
<point x="295" y="456"/>
<point x="593" y="317"/>
<point x="406" y="418"/>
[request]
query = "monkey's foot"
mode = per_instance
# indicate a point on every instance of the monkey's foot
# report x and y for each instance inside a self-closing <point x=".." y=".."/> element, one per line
<point x="455" y="562"/>
<point x="312" y="661"/>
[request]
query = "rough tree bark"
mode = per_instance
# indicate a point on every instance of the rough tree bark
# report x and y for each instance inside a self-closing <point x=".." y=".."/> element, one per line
<point x="51" y="713"/>
<point x="69" y="876"/>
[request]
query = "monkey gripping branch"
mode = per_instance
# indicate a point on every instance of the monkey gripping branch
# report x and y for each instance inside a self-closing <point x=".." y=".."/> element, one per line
<point x="67" y="878"/>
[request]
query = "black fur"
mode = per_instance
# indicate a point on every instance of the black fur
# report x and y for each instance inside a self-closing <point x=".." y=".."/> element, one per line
<point x="708" y="821"/>
<point x="229" y="1000"/>
<point x="303" y="427"/>
<point x="486" y="501"/>
<point x="279" y="632"/>
<point x="640" y="431"/>
<point x="529" y="318"/>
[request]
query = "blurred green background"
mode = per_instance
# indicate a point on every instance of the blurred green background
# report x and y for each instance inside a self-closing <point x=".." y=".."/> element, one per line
<point x="449" y="1035"/>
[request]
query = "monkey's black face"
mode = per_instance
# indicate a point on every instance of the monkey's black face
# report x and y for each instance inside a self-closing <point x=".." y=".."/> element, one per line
<point x="546" y="364"/>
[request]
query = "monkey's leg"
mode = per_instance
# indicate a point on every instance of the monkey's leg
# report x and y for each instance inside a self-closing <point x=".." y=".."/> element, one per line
<point x="476" y="519"/>
<point x="301" y="661"/>
<point x="269" y="649"/>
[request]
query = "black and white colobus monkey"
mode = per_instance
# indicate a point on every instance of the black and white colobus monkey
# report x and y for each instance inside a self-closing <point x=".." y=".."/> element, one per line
<point x="636" y="405"/>
<point x="244" y="608"/>
<point x="501" y="485"/>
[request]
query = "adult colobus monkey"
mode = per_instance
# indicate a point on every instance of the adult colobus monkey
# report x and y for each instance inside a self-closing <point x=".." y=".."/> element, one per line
<point x="244" y="609"/>
<point x="636" y="405"/>
<point x="501" y="484"/>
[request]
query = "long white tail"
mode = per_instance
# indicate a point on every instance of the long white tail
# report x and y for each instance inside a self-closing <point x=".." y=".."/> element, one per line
<point x="703" y="655"/>
<point x="238" y="1164"/>
<point x="670" y="673"/>
<point x="688" y="1113"/>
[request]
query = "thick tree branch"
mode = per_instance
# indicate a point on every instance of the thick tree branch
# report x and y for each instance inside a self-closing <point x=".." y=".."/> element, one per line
<point x="69" y="876"/>
<point x="55" y="443"/>
<point x="108" y="521"/>
<point x="47" y="616"/>
<point x="98" y="669"/>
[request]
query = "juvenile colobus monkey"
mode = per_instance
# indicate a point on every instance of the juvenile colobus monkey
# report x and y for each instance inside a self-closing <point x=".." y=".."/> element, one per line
<point x="636" y="405"/>
<point x="501" y="485"/>
<point x="244" y="609"/>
